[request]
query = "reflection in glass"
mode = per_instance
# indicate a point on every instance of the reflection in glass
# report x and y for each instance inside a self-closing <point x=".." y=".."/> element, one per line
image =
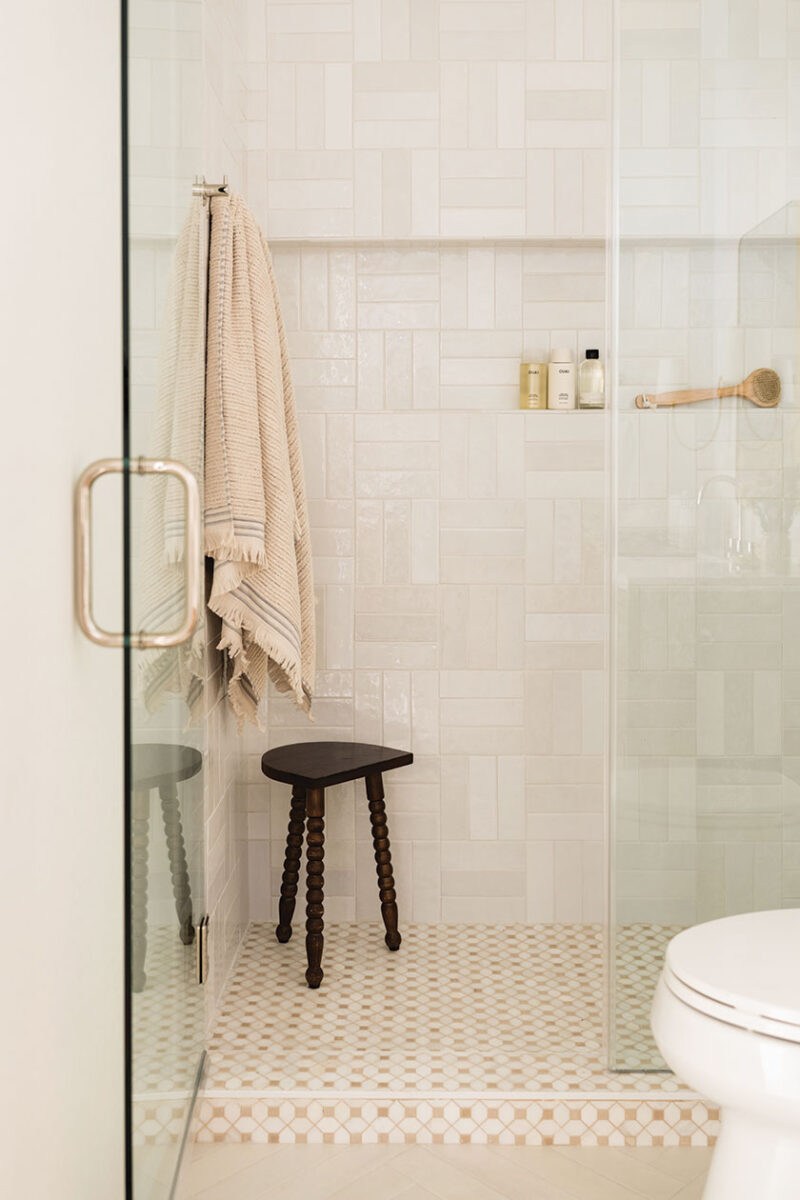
<point x="168" y="686"/>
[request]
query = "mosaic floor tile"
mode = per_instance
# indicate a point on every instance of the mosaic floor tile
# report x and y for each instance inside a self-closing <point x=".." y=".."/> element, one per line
<point x="168" y="1028"/>
<point x="469" y="1034"/>
<point x="459" y="1008"/>
<point x="639" y="955"/>
<point x="168" y="1016"/>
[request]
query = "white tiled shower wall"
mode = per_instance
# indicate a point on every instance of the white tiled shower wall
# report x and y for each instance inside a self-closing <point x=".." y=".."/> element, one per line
<point x="459" y="560"/>
<point x="459" y="568"/>
<point x="460" y="545"/>
<point x="708" y="114"/>
<point x="429" y="118"/>
<point x="706" y="650"/>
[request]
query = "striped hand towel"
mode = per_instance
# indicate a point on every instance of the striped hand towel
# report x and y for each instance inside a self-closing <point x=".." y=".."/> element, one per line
<point x="256" y="522"/>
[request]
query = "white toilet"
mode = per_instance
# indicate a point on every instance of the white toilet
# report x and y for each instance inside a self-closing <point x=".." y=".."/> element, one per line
<point x="726" y="1017"/>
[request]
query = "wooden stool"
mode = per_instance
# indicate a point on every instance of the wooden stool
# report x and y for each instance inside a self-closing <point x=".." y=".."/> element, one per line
<point x="310" y="767"/>
<point x="161" y="766"/>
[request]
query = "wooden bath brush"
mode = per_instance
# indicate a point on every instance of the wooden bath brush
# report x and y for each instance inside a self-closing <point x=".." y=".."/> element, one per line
<point x="762" y="387"/>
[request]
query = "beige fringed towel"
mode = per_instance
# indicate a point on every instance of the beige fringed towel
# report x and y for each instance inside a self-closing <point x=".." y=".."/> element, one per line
<point x="256" y="522"/>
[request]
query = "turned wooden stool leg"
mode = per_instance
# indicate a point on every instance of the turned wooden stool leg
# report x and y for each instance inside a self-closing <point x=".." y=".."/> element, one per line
<point x="140" y="817"/>
<point x="291" y="866"/>
<point x="179" y="870"/>
<point x="315" y="839"/>
<point x="383" y="859"/>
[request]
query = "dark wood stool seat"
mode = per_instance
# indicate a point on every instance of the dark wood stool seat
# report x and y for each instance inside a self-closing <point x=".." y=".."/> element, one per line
<point x="311" y="767"/>
<point x="159" y="766"/>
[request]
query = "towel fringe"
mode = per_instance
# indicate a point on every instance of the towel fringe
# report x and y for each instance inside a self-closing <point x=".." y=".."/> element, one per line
<point x="157" y="683"/>
<point x="282" y="668"/>
<point x="243" y="708"/>
<point x="227" y="547"/>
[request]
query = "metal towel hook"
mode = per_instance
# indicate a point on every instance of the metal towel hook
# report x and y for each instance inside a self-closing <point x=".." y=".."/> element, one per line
<point x="207" y="190"/>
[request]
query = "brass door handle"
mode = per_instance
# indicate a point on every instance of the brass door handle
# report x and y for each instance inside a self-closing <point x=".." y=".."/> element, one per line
<point x="83" y="552"/>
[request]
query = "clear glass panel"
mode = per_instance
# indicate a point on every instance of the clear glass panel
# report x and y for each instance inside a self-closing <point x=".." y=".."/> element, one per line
<point x="168" y="751"/>
<point x="704" y="790"/>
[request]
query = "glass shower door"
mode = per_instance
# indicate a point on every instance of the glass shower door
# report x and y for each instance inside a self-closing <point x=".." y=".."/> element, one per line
<point x="704" y="781"/>
<point x="166" y="751"/>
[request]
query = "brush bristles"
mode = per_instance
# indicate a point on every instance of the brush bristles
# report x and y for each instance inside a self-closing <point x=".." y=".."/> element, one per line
<point x="766" y="386"/>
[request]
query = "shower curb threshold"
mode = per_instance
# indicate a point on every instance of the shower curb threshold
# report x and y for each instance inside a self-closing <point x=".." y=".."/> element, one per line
<point x="542" y="1118"/>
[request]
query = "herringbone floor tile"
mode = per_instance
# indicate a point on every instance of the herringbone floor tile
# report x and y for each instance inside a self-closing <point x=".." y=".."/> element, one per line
<point x="270" y="1172"/>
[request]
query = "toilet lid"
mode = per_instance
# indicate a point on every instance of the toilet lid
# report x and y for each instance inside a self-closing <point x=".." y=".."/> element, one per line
<point x="750" y="963"/>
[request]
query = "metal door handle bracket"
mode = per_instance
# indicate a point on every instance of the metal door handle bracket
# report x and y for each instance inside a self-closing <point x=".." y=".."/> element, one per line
<point x="83" y="552"/>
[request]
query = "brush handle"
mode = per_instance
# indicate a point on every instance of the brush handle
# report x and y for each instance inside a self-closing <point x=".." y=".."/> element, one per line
<point x="688" y="396"/>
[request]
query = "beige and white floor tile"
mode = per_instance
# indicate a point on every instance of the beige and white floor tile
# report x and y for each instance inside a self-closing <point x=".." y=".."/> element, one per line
<point x="497" y="1009"/>
<point x="470" y="1034"/>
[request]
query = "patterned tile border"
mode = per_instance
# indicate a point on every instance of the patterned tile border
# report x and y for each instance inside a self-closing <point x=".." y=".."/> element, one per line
<point x="509" y="1121"/>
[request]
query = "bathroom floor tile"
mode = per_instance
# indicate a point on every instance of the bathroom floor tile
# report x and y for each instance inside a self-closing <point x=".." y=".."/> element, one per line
<point x="444" y="1173"/>
<point x="168" y="1016"/>
<point x="472" y="1034"/>
<point x="459" y="1008"/>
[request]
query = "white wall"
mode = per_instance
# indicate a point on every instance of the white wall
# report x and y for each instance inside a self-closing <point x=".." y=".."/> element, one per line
<point x="61" y="882"/>
<point x="707" y="114"/>
<point x="459" y="543"/>
<point x="434" y="117"/>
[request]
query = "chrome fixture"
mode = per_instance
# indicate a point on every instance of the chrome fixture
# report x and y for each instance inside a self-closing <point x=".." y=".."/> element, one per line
<point x="83" y="552"/>
<point x="716" y="479"/>
<point x="207" y="190"/>
<point x="738" y="550"/>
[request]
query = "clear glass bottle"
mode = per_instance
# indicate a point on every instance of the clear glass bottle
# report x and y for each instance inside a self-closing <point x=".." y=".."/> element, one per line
<point x="591" y="381"/>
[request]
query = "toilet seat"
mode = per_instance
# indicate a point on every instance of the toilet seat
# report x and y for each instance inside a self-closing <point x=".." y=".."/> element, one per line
<point x="742" y="971"/>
